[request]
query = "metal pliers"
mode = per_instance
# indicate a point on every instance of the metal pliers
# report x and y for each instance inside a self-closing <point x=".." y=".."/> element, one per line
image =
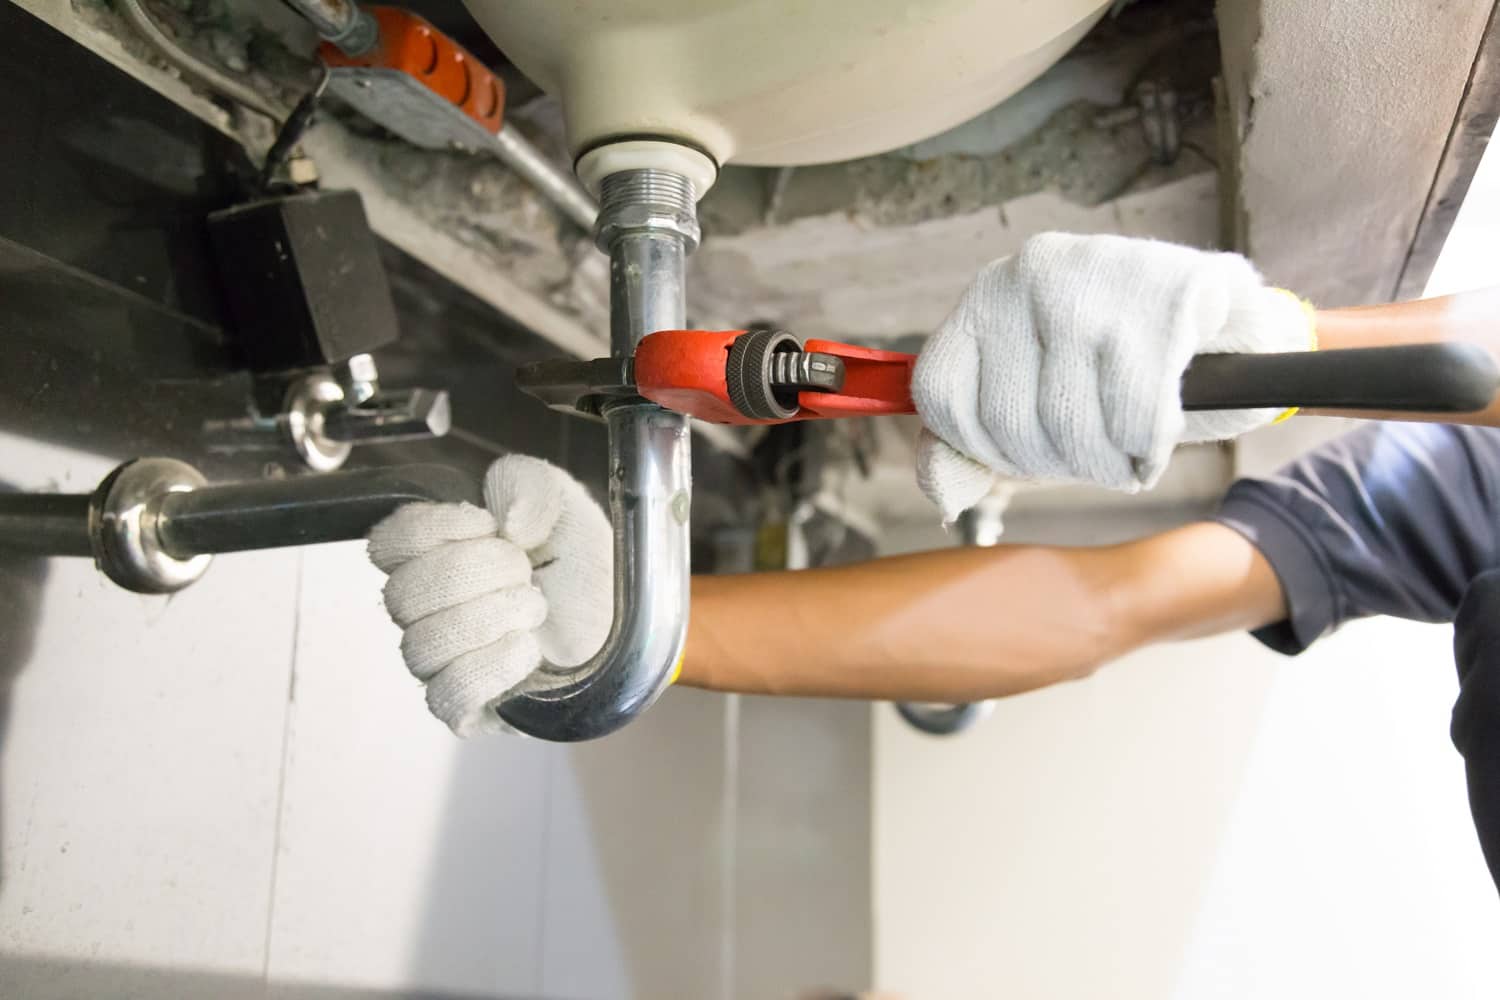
<point x="767" y="376"/>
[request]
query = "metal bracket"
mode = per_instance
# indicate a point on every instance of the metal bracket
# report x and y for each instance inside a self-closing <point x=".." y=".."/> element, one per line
<point x="324" y="426"/>
<point x="581" y="387"/>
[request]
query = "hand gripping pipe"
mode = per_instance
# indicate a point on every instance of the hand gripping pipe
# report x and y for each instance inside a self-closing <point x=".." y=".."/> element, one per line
<point x="648" y="225"/>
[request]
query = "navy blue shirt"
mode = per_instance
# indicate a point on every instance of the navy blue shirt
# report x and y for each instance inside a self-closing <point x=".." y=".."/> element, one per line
<point x="1404" y="520"/>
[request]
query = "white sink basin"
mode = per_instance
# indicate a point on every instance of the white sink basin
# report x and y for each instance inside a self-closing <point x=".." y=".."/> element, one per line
<point x="780" y="82"/>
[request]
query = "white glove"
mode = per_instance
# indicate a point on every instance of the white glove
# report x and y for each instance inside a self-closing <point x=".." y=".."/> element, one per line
<point x="1063" y="363"/>
<point x="485" y="596"/>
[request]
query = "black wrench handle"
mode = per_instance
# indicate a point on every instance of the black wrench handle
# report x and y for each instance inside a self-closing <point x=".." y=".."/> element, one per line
<point x="1413" y="378"/>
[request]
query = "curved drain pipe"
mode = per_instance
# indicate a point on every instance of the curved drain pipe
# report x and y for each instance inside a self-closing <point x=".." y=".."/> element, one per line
<point x="648" y="225"/>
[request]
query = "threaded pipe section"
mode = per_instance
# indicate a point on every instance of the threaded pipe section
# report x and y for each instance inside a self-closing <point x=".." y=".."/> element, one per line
<point x="658" y="188"/>
<point x="646" y="200"/>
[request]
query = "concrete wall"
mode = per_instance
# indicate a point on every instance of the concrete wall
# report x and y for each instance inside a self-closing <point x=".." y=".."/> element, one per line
<point x="237" y="790"/>
<point x="1340" y="115"/>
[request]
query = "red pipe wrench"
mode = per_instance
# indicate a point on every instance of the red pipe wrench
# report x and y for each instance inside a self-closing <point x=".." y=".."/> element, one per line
<point x="767" y="376"/>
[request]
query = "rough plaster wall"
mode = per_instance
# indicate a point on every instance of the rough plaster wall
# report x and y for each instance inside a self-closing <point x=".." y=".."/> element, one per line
<point x="1343" y="110"/>
<point x="840" y="276"/>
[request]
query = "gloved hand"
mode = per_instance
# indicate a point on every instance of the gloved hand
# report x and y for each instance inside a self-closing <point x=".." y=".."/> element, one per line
<point x="1063" y="363"/>
<point x="485" y="596"/>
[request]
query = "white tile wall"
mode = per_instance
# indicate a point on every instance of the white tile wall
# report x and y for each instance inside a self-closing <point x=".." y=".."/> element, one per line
<point x="389" y="823"/>
<point x="241" y="785"/>
<point x="140" y="759"/>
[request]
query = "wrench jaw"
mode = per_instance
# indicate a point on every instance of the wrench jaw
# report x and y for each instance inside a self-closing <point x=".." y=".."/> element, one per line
<point x="582" y="388"/>
<point x="687" y="371"/>
<point x="733" y="377"/>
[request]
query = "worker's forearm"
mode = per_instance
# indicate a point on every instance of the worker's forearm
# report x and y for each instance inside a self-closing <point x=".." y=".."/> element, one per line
<point x="967" y="624"/>
<point x="1470" y="317"/>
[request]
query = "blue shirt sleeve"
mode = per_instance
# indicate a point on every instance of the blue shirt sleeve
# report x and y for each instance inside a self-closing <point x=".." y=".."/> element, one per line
<point x="1393" y="519"/>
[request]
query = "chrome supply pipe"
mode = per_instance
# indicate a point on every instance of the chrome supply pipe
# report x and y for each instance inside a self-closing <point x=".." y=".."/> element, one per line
<point x="648" y="225"/>
<point x="154" y="524"/>
<point x="45" y="524"/>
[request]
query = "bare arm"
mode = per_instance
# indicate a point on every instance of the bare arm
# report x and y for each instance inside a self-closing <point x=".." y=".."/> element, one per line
<point x="967" y="624"/>
<point x="1470" y="317"/>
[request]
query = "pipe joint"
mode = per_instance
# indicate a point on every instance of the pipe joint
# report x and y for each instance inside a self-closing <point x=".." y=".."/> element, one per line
<point x="125" y="526"/>
<point x="649" y="202"/>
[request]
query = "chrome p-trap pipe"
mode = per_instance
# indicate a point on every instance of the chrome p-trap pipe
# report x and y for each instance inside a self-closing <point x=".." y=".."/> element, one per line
<point x="648" y="225"/>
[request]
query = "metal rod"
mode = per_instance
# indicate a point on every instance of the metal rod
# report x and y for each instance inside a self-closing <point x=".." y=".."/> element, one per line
<point x="342" y="22"/>
<point x="153" y="524"/>
<point x="221" y="83"/>
<point x="45" y="523"/>
<point x="557" y="185"/>
<point x="306" y="510"/>
<point x="648" y="223"/>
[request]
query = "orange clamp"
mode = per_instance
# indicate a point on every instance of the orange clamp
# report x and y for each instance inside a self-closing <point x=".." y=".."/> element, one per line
<point x="412" y="46"/>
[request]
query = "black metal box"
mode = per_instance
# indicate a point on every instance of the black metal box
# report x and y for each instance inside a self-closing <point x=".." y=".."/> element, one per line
<point x="303" y="280"/>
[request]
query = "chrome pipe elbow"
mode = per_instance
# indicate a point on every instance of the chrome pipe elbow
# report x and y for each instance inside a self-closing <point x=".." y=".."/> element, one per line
<point x="647" y="225"/>
<point x="649" y="491"/>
